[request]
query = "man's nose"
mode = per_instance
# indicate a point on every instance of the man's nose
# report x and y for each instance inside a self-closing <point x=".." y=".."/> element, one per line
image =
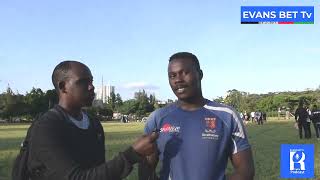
<point x="178" y="79"/>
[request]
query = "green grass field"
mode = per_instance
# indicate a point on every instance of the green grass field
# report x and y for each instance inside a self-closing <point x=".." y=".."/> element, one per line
<point x="265" y="141"/>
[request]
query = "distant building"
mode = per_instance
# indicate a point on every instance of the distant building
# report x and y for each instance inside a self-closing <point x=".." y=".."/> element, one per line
<point x="104" y="92"/>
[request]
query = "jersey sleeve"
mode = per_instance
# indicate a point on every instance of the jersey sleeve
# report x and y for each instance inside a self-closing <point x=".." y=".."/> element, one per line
<point x="239" y="136"/>
<point x="151" y="122"/>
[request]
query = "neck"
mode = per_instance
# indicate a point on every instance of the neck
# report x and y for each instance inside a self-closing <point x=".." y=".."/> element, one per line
<point x="192" y="103"/>
<point x="73" y="111"/>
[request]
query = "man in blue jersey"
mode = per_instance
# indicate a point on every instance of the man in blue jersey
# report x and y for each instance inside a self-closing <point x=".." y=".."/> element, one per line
<point x="197" y="136"/>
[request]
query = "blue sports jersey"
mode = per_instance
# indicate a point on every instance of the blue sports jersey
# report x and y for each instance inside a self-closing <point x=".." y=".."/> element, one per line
<point x="195" y="145"/>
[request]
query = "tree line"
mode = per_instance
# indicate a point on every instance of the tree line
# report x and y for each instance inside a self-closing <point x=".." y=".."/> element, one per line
<point x="35" y="102"/>
<point x="271" y="102"/>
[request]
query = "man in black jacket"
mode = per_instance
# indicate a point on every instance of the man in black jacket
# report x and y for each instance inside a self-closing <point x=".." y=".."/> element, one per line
<point x="301" y="117"/>
<point x="315" y="117"/>
<point x="66" y="144"/>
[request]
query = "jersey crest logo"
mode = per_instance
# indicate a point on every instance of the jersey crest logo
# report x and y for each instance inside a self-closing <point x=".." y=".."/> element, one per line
<point x="210" y="123"/>
<point x="210" y="131"/>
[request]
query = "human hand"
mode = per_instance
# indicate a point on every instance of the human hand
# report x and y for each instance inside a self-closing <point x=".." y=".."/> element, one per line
<point x="145" y="145"/>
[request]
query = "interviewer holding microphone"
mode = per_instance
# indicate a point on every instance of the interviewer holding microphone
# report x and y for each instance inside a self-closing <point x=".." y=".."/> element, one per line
<point x="67" y="144"/>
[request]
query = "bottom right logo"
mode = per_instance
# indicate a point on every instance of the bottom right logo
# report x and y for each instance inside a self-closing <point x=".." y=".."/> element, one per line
<point x="297" y="161"/>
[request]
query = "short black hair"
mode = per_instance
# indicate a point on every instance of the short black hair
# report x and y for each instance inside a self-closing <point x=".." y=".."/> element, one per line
<point x="186" y="55"/>
<point x="301" y="103"/>
<point x="60" y="73"/>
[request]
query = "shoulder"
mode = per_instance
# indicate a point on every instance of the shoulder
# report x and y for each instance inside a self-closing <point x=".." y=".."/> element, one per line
<point x="228" y="115"/>
<point x="221" y="108"/>
<point x="50" y="128"/>
<point x="52" y="119"/>
<point x="156" y="116"/>
<point x="163" y="112"/>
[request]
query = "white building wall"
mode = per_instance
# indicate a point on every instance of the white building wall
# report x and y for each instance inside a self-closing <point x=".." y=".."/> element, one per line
<point x="103" y="93"/>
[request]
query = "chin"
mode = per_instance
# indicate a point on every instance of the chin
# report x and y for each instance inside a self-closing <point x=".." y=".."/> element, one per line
<point x="183" y="97"/>
<point x="187" y="98"/>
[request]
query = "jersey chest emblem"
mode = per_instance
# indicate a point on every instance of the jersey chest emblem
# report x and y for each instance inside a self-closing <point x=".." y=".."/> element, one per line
<point x="210" y="123"/>
<point x="210" y="129"/>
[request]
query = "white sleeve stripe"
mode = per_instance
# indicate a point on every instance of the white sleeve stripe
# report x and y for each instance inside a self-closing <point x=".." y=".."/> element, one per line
<point x="235" y="150"/>
<point x="228" y="110"/>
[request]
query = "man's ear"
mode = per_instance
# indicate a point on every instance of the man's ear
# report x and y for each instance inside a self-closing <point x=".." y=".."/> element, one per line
<point x="200" y="74"/>
<point x="62" y="86"/>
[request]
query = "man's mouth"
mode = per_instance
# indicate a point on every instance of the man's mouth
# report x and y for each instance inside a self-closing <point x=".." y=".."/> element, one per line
<point x="181" y="89"/>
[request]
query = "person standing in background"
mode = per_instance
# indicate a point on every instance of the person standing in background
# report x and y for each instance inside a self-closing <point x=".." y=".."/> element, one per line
<point x="301" y="116"/>
<point x="315" y="118"/>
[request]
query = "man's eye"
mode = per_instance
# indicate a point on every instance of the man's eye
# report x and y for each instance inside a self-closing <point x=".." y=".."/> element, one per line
<point x="84" y="82"/>
<point x="172" y="76"/>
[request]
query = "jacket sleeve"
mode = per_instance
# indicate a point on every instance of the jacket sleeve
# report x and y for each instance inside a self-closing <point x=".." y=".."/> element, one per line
<point x="145" y="171"/>
<point x="47" y="151"/>
<point x="296" y="114"/>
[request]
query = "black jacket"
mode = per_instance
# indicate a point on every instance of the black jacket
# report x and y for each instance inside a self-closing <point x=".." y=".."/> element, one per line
<point x="315" y="116"/>
<point x="301" y="114"/>
<point x="61" y="151"/>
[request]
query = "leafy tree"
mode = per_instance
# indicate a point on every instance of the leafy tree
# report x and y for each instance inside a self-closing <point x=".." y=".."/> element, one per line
<point x="144" y="103"/>
<point x="219" y="99"/>
<point x="105" y="112"/>
<point x="236" y="99"/>
<point x="51" y="97"/>
<point x="118" y="101"/>
<point x="265" y="104"/>
<point x="112" y="101"/>
<point x="144" y="107"/>
<point x="12" y="104"/>
<point x="36" y="101"/>
<point x="139" y="106"/>
<point x="129" y="106"/>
